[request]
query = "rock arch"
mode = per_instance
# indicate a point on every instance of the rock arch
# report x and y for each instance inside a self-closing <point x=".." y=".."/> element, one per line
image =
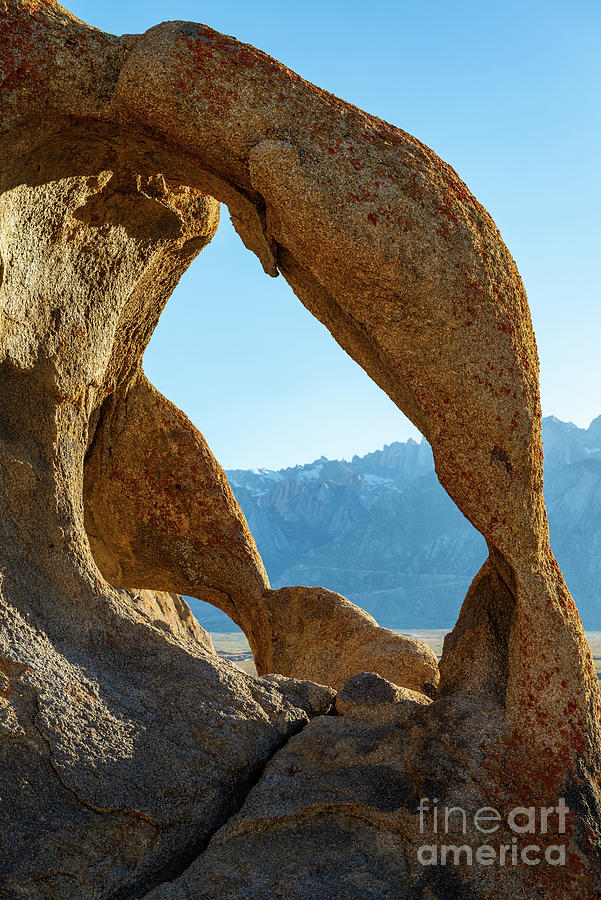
<point x="379" y="239"/>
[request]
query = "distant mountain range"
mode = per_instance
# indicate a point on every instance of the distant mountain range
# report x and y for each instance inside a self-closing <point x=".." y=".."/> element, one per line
<point x="381" y="530"/>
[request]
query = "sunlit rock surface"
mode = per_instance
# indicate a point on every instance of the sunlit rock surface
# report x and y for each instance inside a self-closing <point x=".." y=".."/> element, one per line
<point x="133" y="759"/>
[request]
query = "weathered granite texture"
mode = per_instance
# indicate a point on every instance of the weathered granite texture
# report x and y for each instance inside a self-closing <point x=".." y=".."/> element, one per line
<point x="126" y="745"/>
<point x="320" y="635"/>
<point x="125" y="742"/>
<point x="160" y="513"/>
<point x="170" y="612"/>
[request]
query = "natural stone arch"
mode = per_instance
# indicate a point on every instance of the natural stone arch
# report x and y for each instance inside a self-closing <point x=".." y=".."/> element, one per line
<point x="387" y="247"/>
<point x="160" y="515"/>
<point x="384" y="243"/>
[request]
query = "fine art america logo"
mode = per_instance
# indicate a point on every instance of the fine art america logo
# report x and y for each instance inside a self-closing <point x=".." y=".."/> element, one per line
<point x="521" y="822"/>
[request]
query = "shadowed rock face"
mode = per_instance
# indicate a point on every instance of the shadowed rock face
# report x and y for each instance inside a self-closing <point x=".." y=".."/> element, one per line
<point x="129" y="744"/>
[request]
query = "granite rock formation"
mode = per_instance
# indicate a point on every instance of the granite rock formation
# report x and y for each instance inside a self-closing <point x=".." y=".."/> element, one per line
<point x="125" y="742"/>
<point x="160" y="514"/>
<point x="319" y="635"/>
<point x="170" y="612"/>
<point x="130" y="750"/>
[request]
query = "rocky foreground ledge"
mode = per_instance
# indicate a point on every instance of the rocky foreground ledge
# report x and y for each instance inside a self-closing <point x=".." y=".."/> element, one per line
<point x="135" y="762"/>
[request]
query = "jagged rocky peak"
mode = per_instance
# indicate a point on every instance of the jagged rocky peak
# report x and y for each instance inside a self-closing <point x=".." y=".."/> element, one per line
<point x="397" y="546"/>
<point x="565" y="442"/>
<point x="594" y="432"/>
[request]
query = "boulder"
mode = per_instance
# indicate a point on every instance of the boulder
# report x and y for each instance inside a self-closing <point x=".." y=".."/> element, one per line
<point x="321" y="635"/>
<point x="370" y="697"/>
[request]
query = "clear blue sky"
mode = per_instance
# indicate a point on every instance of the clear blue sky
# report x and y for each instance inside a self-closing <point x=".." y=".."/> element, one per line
<point x="508" y="94"/>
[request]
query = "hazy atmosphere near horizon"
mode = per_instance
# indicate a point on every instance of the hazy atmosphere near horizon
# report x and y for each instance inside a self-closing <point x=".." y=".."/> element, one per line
<point x="507" y="94"/>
